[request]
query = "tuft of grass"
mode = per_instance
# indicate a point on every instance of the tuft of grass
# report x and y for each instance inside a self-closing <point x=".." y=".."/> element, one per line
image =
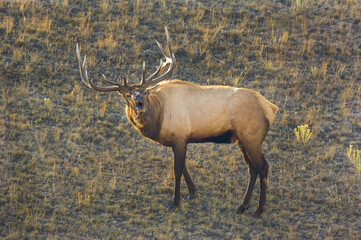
<point x="303" y="134"/>
<point x="355" y="157"/>
<point x="48" y="105"/>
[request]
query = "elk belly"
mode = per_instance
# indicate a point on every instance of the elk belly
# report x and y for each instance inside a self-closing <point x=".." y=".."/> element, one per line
<point x="211" y="124"/>
<point x="227" y="137"/>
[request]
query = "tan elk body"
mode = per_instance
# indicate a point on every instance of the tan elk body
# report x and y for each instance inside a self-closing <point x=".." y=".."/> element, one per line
<point x="205" y="112"/>
<point x="175" y="113"/>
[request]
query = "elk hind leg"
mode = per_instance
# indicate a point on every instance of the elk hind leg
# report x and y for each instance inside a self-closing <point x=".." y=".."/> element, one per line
<point x="263" y="175"/>
<point x="256" y="158"/>
<point x="252" y="180"/>
<point x="190" y="184"/>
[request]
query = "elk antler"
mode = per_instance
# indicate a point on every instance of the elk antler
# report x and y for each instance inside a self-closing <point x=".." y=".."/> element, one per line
<point x="117" y="86"/>
<point x="84" y="77"/>
<point x="170" y="60"/>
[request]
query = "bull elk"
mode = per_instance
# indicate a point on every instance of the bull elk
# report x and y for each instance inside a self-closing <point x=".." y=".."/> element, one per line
<point x="175" y="113"/>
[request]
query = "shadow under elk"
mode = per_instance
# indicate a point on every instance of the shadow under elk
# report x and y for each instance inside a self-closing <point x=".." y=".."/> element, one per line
<point x="175" y="113"/>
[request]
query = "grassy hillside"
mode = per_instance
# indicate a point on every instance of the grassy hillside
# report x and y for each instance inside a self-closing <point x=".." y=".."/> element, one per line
<point x="71" y="166"/>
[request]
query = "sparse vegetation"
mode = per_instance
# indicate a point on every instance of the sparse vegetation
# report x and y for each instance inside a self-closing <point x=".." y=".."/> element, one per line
<point x="355" y="157"/>
<point x="71" y="166"/>
<point x="303" y="134"/>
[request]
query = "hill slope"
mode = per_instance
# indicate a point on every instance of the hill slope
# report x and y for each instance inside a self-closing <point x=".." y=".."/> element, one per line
<point x="71" y="166"/>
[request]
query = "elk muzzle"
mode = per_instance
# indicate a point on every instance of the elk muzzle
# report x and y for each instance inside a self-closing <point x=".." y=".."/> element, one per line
<point x="136" y="100"/>
<point x="139" y="102"/>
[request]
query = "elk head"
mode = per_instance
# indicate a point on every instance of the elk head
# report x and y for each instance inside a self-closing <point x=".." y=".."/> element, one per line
<point x="135" y="94"/>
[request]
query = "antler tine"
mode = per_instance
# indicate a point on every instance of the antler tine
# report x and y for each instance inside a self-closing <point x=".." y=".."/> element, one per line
<point x="162" y="49"/>
<point x="170" y="60"/>
<point x="156" y="72"/>
<point x="143" y="78"/>
<point x="169" y="44"/>
<point x="125" y="83"/>
<point x="113" y="83"/>
<point x="90" y="84"/>
<point x="82" y="67"/>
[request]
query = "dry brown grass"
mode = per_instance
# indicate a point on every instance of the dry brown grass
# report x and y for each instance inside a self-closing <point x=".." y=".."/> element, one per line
<point x="71" y="166"/>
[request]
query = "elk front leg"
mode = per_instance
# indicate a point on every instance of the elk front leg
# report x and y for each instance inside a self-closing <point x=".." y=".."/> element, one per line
<point x="190" y="184"/>
<point x="179" y="151"/>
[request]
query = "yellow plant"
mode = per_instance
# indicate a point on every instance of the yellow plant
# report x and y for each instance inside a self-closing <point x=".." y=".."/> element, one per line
<point x="303" y="134"/>
<point x="355" y="157"/>
<point x="48" y="105"/>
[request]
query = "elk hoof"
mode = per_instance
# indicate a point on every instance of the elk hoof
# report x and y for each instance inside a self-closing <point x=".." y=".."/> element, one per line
<point x="191" y="197"/>
<point x="240" y="210"/>
<point x="257" y="214"/>
<point x="172" y="205"/>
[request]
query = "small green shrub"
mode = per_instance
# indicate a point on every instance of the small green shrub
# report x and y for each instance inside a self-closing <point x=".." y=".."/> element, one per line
<point x="303" y="134"/>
